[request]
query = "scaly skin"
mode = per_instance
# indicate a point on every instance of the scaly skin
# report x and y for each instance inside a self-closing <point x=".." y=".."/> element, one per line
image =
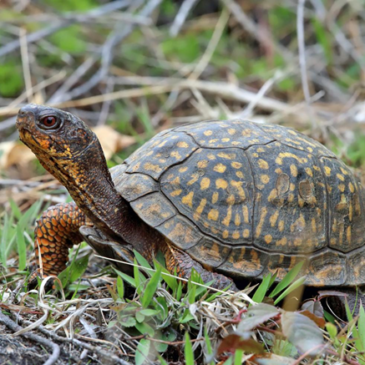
<point x="71" y="152"/>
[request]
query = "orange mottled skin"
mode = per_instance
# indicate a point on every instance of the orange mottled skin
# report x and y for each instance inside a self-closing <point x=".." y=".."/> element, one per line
<point x="70" y="151"/>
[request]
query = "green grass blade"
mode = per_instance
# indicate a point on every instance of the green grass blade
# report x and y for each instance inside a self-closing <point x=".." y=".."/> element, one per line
<point x="127" y="278"/>
<point x="151" y="288"/>
<point x="142" y="351"/>
<point x="287" y="280"/>
<point x="261" y="291"/>
<point x="120" y="287"/>
<point x="188" y="350"/>
<point x="22" y="248"/>
<point x="292" y="287"/>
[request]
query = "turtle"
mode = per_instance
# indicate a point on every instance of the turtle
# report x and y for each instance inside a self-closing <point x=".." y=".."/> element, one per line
<point x="231" y="199"/>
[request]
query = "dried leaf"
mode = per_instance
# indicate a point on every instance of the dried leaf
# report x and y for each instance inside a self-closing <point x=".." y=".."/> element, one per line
<point x="302" y="332"/>
<point x="319" y="321"/>
<point x="233" y="342"/>
<point x="112" y="141"/>
<point x="330" y="293"/>
<point x="256" y="315"/>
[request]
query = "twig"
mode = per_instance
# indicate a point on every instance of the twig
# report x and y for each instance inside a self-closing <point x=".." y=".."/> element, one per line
<point x="107" y="51"/>
<point x="218" y="31"/>
<point x="183" y="12"/>
<point x="302" y="61"/>
<point x="25" y="63"/>
<point x="84" y="345"/>
<point x="33" y="337"/>
<point x="260" y="34"/>
<point x="33" y="37"/>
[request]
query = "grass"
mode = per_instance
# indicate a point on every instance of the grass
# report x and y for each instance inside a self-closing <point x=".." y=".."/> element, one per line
<point x="150" y="316"/>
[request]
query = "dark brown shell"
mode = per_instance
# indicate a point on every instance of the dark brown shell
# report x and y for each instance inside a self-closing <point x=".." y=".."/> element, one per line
<point x="248" y="199"/>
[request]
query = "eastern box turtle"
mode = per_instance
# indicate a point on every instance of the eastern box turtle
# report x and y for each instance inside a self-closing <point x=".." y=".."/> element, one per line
<point x="229" y="198"/>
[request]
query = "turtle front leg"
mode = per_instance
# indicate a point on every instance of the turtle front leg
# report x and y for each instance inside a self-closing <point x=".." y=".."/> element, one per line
<point x="56" y="231"/>
<point x="183" y="264"/>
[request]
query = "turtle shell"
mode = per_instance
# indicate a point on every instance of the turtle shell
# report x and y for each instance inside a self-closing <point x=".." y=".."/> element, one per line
<point x="248" y="199"/>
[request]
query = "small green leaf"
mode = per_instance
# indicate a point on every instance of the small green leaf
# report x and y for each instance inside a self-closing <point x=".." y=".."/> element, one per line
<point x="149" y="312"/>
<point x="287" y="280"/>
<point x="140" y="317"/>
<point x="74" y="271"/>
<point x="128" y="321"/>
<point x="144" y="328"/>
<point x="142" y="351"/>
<point x="143" y="262"/>
<point x="166" y="276"/>
<point x="188" y="350"/>
<point x="151" y="288"/>
<point x="120" y="287"/>
<point x="361" y="327"/>
<point x="127" y="278"/>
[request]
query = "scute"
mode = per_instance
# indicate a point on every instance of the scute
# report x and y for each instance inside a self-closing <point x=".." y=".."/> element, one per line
<point x="290" y="200"/>
<point x="295" y="139"/>
<point x="214" y="189"/>
<point x="162" y="151"/>
<point x="346" y="215"/>
<point x="223" y="134"/>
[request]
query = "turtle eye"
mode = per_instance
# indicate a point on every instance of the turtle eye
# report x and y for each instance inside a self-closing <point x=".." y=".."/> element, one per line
<point x="49" y="122"/>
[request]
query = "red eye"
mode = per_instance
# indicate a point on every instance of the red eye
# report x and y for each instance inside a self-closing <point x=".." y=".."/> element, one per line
<point x="49" y="122"/>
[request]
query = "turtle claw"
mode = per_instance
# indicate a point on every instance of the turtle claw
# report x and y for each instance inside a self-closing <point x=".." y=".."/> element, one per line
<point x="119" y="254"/>
<point x="33" y="280"/>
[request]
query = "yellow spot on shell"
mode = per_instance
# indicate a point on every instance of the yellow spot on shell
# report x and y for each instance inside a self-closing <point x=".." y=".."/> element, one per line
<point x="236" y="165"/>
<point x="231" y="131"/>
<point x="240" y="174"/>
<point x="294" y="170"/>
<point x="228" y="217"/>
<point x="220" y="168"/>
<point x="228" y="156"/>
<point x="200" y="209"/>
<point x="231" y="199"/>
<point x="151" y="167"/>
<point x="263" y="164"/>
<point x="202" y="164"/>
<point x="264" y="179"/>
<point x="182" y="144"/>
<point x="183" y="169"/>
<point x="225" y="234"/>
<point x="268" y="238"/>
<point x="282" y="242"/>
<point x="213" y="214"/>
<point x="281" y="225"/>
<point x="245" y="214"/>
<point x="215" y="197"/>
<point x="340" y="177"/>
<point x="327" y="171"/>
<point x="205" y="183"/>
<point x="175" y="154"/>
<point x="261" y="222"/>
<point x="351" y="187"/>
<point x="309" y="171"/>
<point x="344" y="171"/>
<point x="225" y="139"/>
<point x="341" y="187"/>
<point x="235" y="235"/>
<point x="237" y="220"/>
<point x="208" y="133"/>
<point x="176" y="192"/>
<point x="274" y="218"/>
<point x="348" y="234"/>
<point x="194" y="179"/>
<point x="188" y="199"/>
<point x="246" y="233"/>
<point x="221" y="184"/>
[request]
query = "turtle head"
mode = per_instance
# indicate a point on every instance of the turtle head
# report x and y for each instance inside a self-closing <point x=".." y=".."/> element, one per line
<point x="52" y="133"/>
<point x="66" y="148"/>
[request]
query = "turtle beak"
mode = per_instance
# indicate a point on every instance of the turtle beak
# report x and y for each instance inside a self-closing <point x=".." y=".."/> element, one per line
<point x="26" y="117"/>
